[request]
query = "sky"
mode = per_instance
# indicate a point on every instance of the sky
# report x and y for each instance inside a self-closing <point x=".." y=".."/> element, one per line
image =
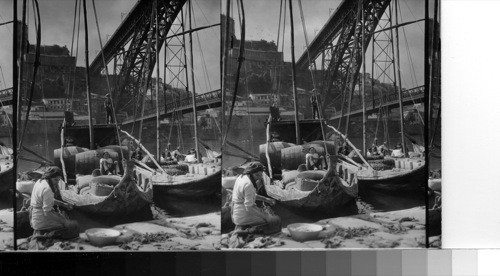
<point x="262" y="17"/>
<point x="57" y="28"/>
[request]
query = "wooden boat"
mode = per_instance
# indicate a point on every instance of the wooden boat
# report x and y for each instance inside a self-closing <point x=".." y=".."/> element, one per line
<point x="408" y="175"/>
<point x="7" y="174"/>
<point x="129" y="198"/>
<point x="330" y="194"/>
<point x="202" y="179"/>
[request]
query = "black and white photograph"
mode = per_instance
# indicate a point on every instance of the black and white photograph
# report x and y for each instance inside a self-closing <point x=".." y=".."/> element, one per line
<point x="7" y="173"/>
<point x="324" y="124"/>
<point x="434" y="125"/>
<point x="119" y="133"/>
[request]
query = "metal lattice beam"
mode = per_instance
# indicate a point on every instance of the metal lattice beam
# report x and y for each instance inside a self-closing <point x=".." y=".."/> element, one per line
<point x="339" y="44"/>
<point x="138" y="32"/>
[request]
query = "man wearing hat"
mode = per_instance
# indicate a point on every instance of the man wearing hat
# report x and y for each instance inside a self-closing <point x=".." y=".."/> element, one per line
<point x="108" y="105"/>
<point x="45" y="216"/>
<point x="245" y="212"/>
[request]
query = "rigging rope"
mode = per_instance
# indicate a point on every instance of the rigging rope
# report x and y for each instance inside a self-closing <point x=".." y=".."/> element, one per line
<point x="36" y="64"/>
<point x="238" y="70"/>
<point x="315" y="95"/>
<point x="107" y="79"/>
<point x="71" y="51"/>
<point x="76" y="55"/>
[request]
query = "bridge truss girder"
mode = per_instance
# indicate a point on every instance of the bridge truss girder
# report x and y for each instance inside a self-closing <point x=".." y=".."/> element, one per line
<point x="140" y="58"/>
<point x="344" y="58"/>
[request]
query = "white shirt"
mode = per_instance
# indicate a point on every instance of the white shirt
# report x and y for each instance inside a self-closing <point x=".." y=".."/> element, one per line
<point x="244" y="195"/>
<point x="190" y="158"/>
<point x="43" y="215"/>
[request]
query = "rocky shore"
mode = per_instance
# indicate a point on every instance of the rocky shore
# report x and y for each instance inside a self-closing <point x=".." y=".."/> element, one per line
<point x="6" y="229"/>
<point x="161" y="234"/>
<point x="396" y="229"/>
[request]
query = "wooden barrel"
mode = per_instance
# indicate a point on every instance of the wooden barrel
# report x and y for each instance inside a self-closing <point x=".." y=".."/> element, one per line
<point x="86" y="162"/>
<point x="68" y="157"/>
<point x="115" y="148"/>
<point x="292" y="157"/>
<point x="275" y="149"/>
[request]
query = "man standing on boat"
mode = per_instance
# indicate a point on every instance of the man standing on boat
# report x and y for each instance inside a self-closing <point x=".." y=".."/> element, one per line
<point x="275" y="113"/>
<point x="108" y="105"/>
<point x="314" y="104"/>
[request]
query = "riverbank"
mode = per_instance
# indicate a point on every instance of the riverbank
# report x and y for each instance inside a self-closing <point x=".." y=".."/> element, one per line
<point x="201" y="232"/>
<point x="6" y="229"/>
<point x="395" y="229"/>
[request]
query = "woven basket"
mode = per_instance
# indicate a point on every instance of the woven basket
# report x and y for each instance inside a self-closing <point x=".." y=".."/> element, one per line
<point x="305" y="185"/>
<point x="101" y="189"/>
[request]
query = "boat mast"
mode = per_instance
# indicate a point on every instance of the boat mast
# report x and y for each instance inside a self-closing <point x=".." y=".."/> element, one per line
<point x="89" y="106"/>
<point x="225" y="64"/>
<point x="157" y="83"/>
<point x="363" y="60"/>
<point x="294" y="85"/>
<point x="20" y="63"/>
<point x="193" y="94"/>
<point x="400" y="96"/>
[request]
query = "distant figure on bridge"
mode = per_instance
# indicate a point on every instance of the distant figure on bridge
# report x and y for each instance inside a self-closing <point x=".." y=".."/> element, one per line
<point x="108" y="105"/>
<point x="314" y="105"/>
<point x="275" y="113"/>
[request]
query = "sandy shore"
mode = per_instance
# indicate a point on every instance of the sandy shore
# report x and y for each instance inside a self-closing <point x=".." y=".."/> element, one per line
<point x="397" y="229"/>
<point x="187" y="233"/>
<point x="6" y="229"/>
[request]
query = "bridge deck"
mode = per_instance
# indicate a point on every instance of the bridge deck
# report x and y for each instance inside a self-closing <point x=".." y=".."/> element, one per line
<point x="414" y="95"/>
<point x="203" y="102"/>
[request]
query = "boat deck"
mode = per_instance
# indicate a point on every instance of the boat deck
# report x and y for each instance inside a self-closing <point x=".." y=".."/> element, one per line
<point x="197" y="171"/>
<point x="402" y="166"/>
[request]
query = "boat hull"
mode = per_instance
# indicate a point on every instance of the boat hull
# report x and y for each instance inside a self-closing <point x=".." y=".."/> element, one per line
<point x="7" y="180"/>
<point x="202" y="187"/>
<point x="408" y="181"/>
<point x="324" y="202"/>
<point x="330" y="195"/>
<point x="127" y="200"/>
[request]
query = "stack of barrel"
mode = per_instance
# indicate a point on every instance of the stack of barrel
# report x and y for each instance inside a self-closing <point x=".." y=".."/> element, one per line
<point x="287" y="156"/>
<point x="78" y="160"/>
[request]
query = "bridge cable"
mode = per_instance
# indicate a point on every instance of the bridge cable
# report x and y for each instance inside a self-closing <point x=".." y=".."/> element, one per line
<point x="238" y="70"/>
